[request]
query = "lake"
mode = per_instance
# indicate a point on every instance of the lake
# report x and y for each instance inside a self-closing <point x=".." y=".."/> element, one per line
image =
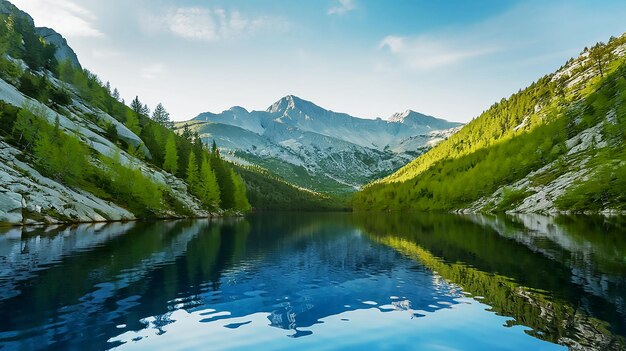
<point x="310" y="281"/>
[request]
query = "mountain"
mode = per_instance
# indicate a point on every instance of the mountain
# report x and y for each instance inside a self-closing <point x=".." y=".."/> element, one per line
<point x="317" y="148"/>
<point x="50" y="36"/>
<point x="72" y="152"/>
<point x="558" y="145"/>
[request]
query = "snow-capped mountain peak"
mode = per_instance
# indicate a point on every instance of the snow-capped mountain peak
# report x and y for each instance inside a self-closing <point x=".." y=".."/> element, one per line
<point x="286" y="103"/>
<point x="295" y="135"/>
<point x="399" y="117"/>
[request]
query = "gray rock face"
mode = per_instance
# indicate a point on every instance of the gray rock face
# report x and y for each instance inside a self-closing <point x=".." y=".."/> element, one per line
<point x="336" y="150"/>
<point x="64" y="51"/>
<point x="27" y="197"/>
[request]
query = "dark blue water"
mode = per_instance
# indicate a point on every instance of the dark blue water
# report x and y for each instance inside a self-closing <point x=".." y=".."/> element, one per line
<point x="317" y="281"/>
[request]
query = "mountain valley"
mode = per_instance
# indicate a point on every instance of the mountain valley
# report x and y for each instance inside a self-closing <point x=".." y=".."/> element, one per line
<point x="320" y="149"/>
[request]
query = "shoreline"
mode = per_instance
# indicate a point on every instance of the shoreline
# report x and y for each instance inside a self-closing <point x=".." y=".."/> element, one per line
<point x="5" y="225"/>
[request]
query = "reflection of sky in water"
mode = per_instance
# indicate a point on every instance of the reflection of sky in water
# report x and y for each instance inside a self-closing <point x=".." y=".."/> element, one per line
<point x="465" y="326"/>
<point x="274" y="282"/>
<point x="334" y="292"/>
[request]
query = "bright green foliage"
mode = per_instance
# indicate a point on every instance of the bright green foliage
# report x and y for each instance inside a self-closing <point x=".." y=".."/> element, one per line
<point x="240" y="200"/>
<point x="209" y="191"/>
<point x="57" y="155"/>
<point x="170" y="162"/>
<point x="131" y="188"/>
<point x="132" y="122"/>
<point x="455" y="183"/>
<point x="508" y="141"/>
<point x="154" y="137"/>
<point x="510" y="197"/>
<point x="605" y="188"/>
<point x="193" y="176"/>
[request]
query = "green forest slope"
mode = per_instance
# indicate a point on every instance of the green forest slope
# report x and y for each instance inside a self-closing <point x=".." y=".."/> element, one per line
<point x="72" y="150"/>
<point x="556" y="145"/>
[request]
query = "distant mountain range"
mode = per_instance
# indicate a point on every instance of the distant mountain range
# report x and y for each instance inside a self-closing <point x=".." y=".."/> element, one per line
<point x="317" y="148"/>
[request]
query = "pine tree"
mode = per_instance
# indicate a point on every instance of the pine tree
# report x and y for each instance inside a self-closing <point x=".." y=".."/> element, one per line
<point x="239" y="193"/>
<point x="170" y="162"/>
<point x="192" y="173"/>
<point x="186" y="132"/>
<point x="162" y="117"/>
<point x="145" y="111"/>
<point x="209" y="189"/>
<point x="198" y="146"/>
<point x="116" y="94"/>
<point x="598" y="54"/>
<point x="225" y="182"/>
<point x="136" y="105"/>
<point x="139" y="108"/>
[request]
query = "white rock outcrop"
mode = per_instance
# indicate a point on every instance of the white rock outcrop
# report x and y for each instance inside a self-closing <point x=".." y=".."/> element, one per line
<point x="27" y="197"/>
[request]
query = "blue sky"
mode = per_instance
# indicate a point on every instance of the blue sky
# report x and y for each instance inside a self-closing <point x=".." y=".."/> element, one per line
<point x="450" y="59"/>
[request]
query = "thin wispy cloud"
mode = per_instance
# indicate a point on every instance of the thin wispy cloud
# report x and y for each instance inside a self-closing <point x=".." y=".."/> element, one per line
<point x="64" y="16"/>
<point x="342" y="7"/>
<point x="424" y="53"/>
<point x="152" y="71"/>
<point x="204" y="24"/>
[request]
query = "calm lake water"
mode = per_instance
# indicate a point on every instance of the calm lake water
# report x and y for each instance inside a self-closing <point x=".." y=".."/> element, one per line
<point x="293" y="281"/>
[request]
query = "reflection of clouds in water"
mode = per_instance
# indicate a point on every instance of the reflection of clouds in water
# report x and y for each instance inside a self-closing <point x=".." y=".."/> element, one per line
<point x="244" y="287"/>
<point x="450" y="328"/>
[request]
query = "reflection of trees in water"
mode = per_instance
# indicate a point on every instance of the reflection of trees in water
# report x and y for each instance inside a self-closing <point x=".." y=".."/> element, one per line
<point x="591" y="248"/>
<point x="485" y="264"/>
<point x="133" y="270"/>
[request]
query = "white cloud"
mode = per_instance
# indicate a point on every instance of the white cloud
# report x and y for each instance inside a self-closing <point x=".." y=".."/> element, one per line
<point x="64" y="16"/>
<point x="343" y="7"/>
<point x="423" y="52"/>
<point x="203" y="24"/>
<point x="152" y="71"/>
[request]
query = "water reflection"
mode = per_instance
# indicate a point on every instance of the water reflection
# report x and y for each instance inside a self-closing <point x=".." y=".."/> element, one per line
<point x="564" y="277"/>
<point x="307" y="280"/>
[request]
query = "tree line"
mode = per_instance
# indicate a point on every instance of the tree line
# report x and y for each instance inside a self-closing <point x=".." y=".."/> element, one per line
<point x="519" y="135"/>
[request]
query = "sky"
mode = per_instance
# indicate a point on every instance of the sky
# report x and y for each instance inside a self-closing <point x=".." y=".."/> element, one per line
<point x="368" y="58"/>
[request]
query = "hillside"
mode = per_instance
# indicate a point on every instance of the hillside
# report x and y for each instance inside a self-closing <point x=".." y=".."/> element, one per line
<point x="556" y="145"/>
<point x="268" y="192"/>
<point x="72" y="151"/>
<point x="316" y="148"/>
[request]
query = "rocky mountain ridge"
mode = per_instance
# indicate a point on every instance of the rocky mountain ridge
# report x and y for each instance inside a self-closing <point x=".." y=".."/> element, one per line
<point x="317" y="148"/>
